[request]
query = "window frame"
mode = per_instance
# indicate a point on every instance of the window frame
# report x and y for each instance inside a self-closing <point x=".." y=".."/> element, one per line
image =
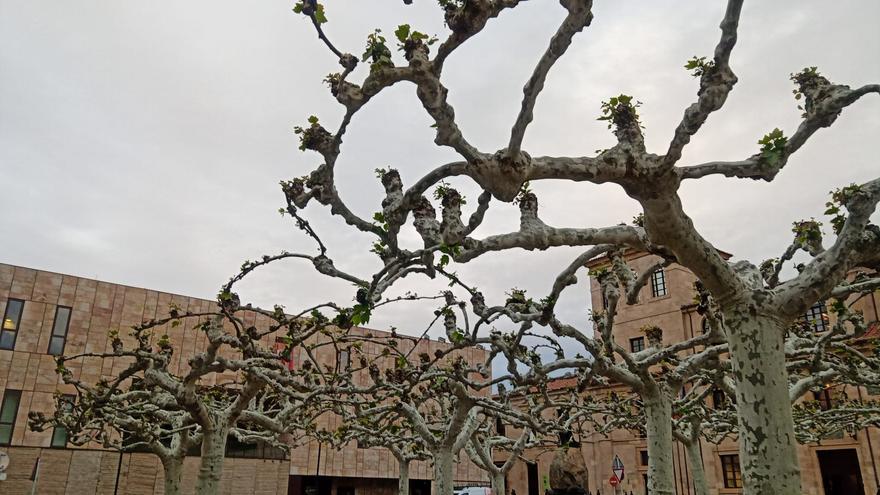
<point x="70" y="400"/>
<point x="500" y="427"/>
<point x="815" y="317"/>
<point x="633" y="341"/>
<point x="63" y="337"/>
<point x="6" y="395"/>
<point x="340" y="365"/>
<point x="658" y="283"/>
<point x="4" y="330"/>
<point x="253" y="450"/>
<point x="823" y="399"/>
<point x="731" y="461"/>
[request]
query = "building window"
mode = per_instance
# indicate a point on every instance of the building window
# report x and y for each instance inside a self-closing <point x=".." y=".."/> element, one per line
<point x="11" y="322"/>
<point x="731" y="471"/>
<point x="645" y="483"/>
<point x="823" y="397"/>
<point x="343" y="360"/>
<point x="643" y="455"/>
<point x="658" y="283"/>
<point x="8" y="412"/>
<point x="816" y="317"/>
<point x="565" y="437"/>
<point x="59" y="330"/>
<point x="500" y="428"/>
<point x="705" y="325"/>
<point x="256" y="450"/>
<point x="637" y="344"/>
<point x="59" y="433"/>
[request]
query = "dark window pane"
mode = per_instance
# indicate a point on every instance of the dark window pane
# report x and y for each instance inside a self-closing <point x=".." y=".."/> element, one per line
<point x="11" y="321"/>
<point x="658" y="283"/>
<point x="816" y="317"/>
<point x="59" y="437"/>
<point x="10" y="406"/>
<point x="62" y="319"/>
<point x="637" y="344"/>
<point x="343" y="360"/>
<point x="5" y="434"/>
<point x="731" y="471"/>
<point x="56" y="346"/>
<point x="824" y="399"/>
<point x="7" y="340"/>
<point x="8" y="411"/>
<point x="499" y="427"/>
<point x="13" y="314"/>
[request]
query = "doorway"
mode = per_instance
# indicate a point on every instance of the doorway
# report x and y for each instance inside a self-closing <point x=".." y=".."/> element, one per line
<point x="840" y="472"/>
<point x="419" y="487"/>
<point x="532" y="471"/>
<point x="309" y="485"/>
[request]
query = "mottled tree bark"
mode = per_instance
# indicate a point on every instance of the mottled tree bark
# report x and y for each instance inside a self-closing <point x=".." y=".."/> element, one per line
<point x="499" y="484"/>
<point x="211" y="468"/>
<point x="443" y="469"/>
<point x="696" y="464"/>
<point x="173" y="474"/>
<point x="658" y="412"/>
<point x="768" y="449"/>
<point x="403" y="477"/>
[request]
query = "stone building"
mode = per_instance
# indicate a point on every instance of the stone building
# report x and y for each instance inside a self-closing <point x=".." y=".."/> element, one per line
<point x="48" y="313"/>
<point x="667" y="301"/>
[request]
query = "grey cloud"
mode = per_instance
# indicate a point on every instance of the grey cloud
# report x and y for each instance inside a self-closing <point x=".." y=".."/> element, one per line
<point x="142" y="142"/>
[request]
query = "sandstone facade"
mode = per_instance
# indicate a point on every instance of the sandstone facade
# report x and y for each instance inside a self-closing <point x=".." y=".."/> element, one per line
<point x="95" y="308"/>
<point x="674" y="312"/>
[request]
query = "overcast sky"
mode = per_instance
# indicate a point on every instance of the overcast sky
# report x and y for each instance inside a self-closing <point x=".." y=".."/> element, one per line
<point x="142" y="142"/>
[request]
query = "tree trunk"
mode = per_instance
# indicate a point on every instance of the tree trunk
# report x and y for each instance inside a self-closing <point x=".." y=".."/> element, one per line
<point x="173" y="474"/>
<point x="443" y="468"/>
<point x="696" y="464"/>
<point x="211" y="468"/>
<point x="767" y="446"/>
<point x="499" y="484"/>
<point x="661" y="475"/>
<point x="403" y="477"/>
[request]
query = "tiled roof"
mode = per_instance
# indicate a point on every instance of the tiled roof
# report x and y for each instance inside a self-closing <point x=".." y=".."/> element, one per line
<point x="562" y="383"/>
<point x="873" y="331"/>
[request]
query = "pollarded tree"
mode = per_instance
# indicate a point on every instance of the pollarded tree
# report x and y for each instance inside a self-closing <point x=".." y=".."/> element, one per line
<point x="147" y="403"/>
<point x="378" y="430"/>
<point x="756" y="313"/>
<point x="432" y="406"/>
<point x="150" y="403"/>
<point x="137" y="418"/>
<point x="486" y="442"/>
<point x="657" y="373"/>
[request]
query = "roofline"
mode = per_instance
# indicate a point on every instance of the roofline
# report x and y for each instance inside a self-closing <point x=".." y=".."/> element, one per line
<point x="632" y="253"/>
<point x="415" y="338"/>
